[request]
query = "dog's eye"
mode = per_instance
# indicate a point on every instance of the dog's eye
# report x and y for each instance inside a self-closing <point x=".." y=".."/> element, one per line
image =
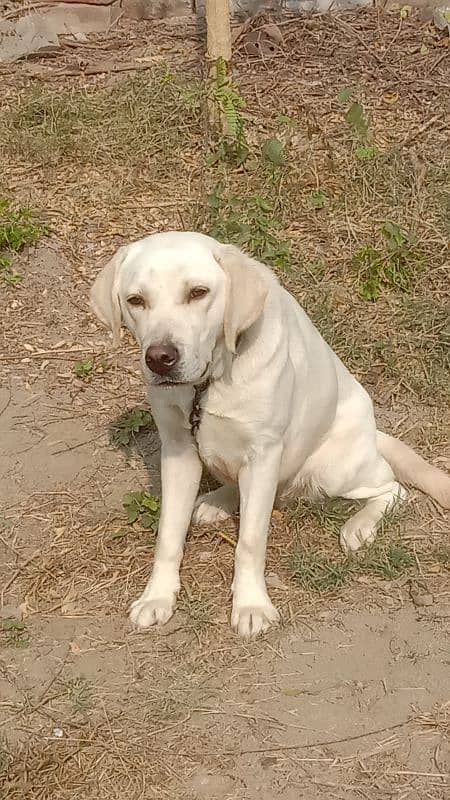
<point x="136" y="300"/>
<point x="197" y="292"/>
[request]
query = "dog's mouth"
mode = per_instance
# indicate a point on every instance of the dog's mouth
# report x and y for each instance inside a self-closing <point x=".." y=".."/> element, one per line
<point x="167" y="382"/>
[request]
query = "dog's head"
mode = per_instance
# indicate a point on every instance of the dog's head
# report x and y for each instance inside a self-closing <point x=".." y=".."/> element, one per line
<point x="179" y="294"/>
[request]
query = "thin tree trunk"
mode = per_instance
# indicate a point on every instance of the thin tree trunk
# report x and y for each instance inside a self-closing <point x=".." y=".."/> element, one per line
<point x="218" y="30"/>
<point x="218" y="46"/>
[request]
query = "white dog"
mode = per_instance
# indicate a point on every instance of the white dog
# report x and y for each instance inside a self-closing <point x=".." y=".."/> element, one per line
<point x="240" y="380"/>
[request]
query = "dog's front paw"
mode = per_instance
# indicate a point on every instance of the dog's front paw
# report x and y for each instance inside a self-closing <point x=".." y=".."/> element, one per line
<point x="146" y="612"/>
<point x="249" y="621"/>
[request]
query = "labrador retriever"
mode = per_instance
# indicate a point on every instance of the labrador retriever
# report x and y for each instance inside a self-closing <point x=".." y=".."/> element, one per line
<point x="240" y="380"/>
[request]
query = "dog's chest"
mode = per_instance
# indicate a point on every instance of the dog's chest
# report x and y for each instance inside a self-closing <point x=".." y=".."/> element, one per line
<point x="222" y="445"/>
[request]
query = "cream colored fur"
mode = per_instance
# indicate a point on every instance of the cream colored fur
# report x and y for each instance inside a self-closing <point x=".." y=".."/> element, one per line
<point x="282" y="415"/>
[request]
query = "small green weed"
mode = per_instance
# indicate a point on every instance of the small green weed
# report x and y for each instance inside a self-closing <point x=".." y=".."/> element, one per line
<point x="7" y="274"/>
<point x="14" y="632"/>
<point x="393" y="265"/>
<point x="83" y="369"/>
<point x="249" y="223"/>
<point x="345" y="94"/>
<point x="78" y="692"/>
<point x="120" y="533"/>
<point x="318" y="199"/>
<point x="357" y="120"/>
<point x="366" y="152"/>
<point x="358" y="123"/>
<point x="142" y="507"/>
<point x="17" y="229"/>
<point x="124" y="430"/>
<point x="273" y="153"/>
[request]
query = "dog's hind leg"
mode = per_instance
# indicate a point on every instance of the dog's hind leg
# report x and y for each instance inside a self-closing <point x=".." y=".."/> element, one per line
<point x="361" y="529"/>
<point x="216" y="505"/>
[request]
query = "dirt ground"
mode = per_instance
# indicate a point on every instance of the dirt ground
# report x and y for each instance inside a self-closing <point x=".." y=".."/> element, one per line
<point x="350" y="697"/>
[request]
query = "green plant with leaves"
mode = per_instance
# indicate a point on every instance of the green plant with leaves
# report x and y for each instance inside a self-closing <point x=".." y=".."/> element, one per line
<point x="232" y="145"/>
<point x="273" y="153"/>
<point x="318" y="199"/>
<point x="250" y="223"/>
<point x="83" y="369"/>
<point x="17" y="229"/>
<point x="358" y="122"/>
<point x="143" y="508"/>
<point x="393" y="264"/>
<point x="130" y="423"/>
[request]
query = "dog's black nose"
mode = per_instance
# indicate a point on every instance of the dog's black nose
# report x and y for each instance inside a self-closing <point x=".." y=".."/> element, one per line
<point x="161" y="358"/>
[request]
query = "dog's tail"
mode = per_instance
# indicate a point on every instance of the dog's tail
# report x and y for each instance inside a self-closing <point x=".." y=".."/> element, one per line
<point x="411" y="468"/>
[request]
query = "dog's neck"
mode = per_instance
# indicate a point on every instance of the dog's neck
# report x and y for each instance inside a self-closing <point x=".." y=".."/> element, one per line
<point x="220" y="369"/>
<point x="222" y="359"/>
<point x="195" y="417"/>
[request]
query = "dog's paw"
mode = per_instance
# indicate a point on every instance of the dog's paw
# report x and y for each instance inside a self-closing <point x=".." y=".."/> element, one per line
<point x="355" y="534"/>
<point x="215" y="506"/>
<point x="155" y="611"/>
<point x="204" y="513"/>
<point x="249" y="621"/>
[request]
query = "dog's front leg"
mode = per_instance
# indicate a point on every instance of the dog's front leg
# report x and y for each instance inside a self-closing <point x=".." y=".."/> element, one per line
<point x="253" y="611"/>
<point x="181" y="472"/>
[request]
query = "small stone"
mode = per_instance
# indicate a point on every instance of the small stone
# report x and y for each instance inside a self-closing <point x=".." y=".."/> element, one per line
<point x="422" y="599"/>
<point x="419" y="594"/>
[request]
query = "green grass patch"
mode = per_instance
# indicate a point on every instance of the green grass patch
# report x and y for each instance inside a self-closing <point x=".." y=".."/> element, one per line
<point x="18" y="228"/>
<point x="321" y="573"/>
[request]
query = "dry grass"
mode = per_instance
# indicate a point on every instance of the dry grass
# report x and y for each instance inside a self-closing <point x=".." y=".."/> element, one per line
<point x="141" y="121"/>
<point x="106" y="160"/>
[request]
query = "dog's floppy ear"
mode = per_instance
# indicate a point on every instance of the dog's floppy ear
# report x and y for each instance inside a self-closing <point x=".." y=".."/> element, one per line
<point x="104" y="295"/>
<point x="246" y="293"/>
